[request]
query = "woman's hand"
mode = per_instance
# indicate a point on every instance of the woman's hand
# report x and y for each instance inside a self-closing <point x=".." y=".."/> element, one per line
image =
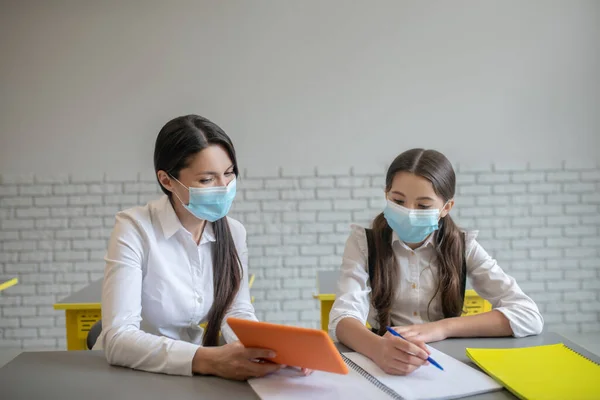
<point x="233" y="361"/>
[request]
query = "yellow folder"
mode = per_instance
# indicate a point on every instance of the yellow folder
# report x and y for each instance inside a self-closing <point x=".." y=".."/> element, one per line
<point x="541" y="372"/>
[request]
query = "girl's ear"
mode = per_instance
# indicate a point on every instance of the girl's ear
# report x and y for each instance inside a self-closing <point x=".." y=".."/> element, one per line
<point x="447" y="207"/>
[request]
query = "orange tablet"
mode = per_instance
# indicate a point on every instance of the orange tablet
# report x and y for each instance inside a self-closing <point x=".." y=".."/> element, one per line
<point x="298" y="347"/>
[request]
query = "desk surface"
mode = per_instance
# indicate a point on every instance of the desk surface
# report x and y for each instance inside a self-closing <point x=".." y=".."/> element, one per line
<point x="327" y="281"/>
<point x="86" y="374"/>
<point x="89" y="294"/>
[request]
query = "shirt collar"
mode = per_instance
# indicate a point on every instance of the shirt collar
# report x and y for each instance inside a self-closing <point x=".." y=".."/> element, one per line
<point x="171" y="224"/>
<point x="209" y="233"/>
<point x="428" y="242"/>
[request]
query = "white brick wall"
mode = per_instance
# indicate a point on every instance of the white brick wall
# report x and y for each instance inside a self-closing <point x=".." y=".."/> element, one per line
<point x="542" y="223"/>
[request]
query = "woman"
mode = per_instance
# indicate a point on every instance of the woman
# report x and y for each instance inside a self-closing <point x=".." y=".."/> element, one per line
<point x="179" y="262"/>
<point x="408" y="272"/>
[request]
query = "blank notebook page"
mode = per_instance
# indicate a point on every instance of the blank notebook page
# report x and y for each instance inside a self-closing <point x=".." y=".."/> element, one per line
<point x="290" y="384"/>
<point x="457" y="380"/>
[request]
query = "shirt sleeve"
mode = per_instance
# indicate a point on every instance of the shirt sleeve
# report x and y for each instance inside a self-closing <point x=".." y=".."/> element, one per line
<point x="352" y="297"/>
<point x="123" y="342"/>
<point x="242" y="306"/>
<point x="502" y="291"/>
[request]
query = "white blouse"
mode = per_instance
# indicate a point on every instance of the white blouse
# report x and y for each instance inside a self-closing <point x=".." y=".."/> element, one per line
<point x="158" y="288"/>
<point x="418" y="283"/>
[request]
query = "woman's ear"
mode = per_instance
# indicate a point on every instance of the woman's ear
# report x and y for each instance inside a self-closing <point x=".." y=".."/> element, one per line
<point x="447" y="207"/>
<point x="165" y="180"/>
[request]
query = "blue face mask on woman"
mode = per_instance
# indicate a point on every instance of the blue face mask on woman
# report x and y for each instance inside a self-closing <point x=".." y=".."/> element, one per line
<point x="210" y="203"/>
<point x="411" y="226"/>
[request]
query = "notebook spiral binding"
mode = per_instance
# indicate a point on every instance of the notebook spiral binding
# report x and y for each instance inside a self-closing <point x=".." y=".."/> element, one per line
<point x="372" y="379"/>
<point x="581" y="355"/>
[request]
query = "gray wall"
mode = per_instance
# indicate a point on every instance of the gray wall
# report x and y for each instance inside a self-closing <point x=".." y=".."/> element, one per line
<point x="85" y="83"/>
<point x="542" y="223"/>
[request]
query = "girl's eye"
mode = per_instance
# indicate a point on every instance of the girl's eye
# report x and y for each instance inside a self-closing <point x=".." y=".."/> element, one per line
<point x="424" y="206"/>
<point x="205" y="181"/>
<point x="399" y="202"/>
<point x="229" y="173"/>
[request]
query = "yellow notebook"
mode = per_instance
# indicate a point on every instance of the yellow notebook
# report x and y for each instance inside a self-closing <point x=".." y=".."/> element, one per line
<point x="541" y="372"/>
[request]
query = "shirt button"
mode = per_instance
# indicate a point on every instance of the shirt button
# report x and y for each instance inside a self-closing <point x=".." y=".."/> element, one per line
<point x="415" y="313"/>
<point x="414" y="285"/>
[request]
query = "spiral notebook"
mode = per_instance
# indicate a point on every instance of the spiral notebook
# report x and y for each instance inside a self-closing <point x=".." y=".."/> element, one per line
<point x="367" y="381"/>
<point x="542" y="372"/>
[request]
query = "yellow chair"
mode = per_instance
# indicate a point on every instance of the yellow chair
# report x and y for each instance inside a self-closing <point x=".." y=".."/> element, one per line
<point x="82" y="311"/>
<point x="325" y="304"/>
<point x="250" y="283"/>
<point x="8" y="283"/>
<point x="474" y="304"/>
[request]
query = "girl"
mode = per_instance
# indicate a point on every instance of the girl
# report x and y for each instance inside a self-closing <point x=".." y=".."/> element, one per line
<point x="178" y="262"/>
<point x="409" y="272"/>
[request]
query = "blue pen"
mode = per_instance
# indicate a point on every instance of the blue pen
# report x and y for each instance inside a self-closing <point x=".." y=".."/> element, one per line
<point x="431" y="360"/>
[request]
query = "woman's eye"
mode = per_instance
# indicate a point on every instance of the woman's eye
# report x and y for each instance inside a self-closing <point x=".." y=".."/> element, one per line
<point x="399" y="201"/>
<point x="424" y="206"/>
<point x="228" y="173"/>
<point x="205" y="181"/>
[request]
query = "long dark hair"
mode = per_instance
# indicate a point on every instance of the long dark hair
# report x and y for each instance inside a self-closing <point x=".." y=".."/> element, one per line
<point x="435" y="167"/>
<point x="176" y="145"/>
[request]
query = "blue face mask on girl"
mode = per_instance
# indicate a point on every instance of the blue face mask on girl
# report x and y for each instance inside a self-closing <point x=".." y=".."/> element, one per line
<point x="411" y="226"/>
<point x="210" y="203"/>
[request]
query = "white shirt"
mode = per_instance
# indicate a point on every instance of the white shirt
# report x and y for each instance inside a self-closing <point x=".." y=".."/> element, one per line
<point x="418" y="283"/>
<point x="158" y="287"/>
